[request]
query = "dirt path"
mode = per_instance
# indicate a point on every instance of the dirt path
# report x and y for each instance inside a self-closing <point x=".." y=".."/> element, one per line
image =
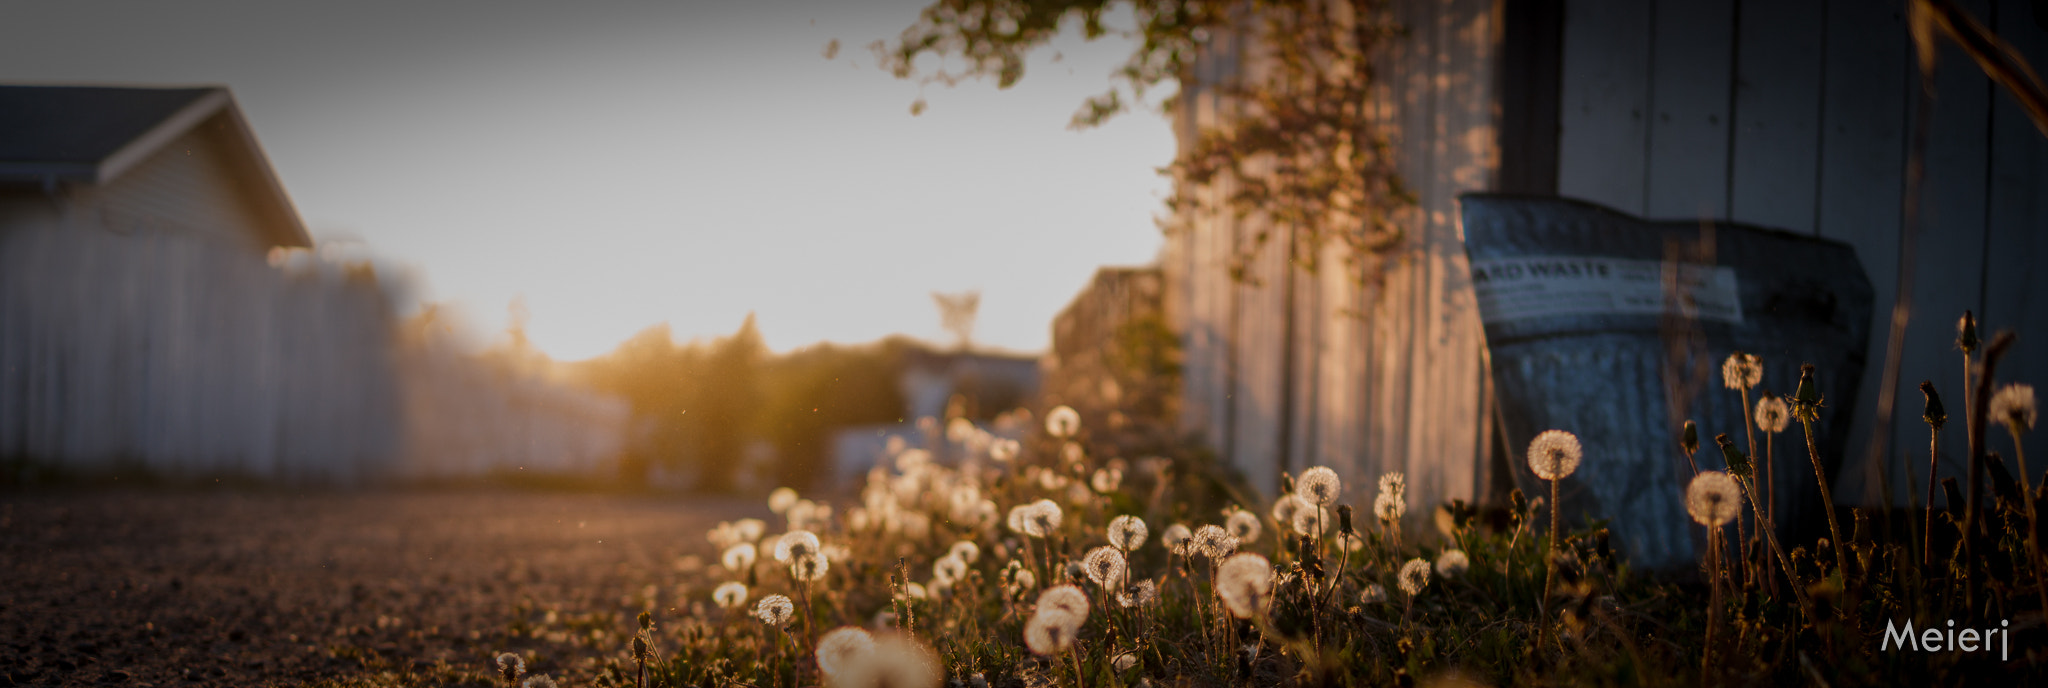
<point x="238" y="589"/>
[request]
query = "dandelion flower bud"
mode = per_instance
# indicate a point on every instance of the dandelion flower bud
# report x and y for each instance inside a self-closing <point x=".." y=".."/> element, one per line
<point x="1344" y="520"/>
<point x="1245" y="582"/>
<point x="810" y="568"/>
<point x="1062" y="421"/>
<point x="781" y="499"/>
<point x="1742" y="371"/>
<point x="639" y="649"/>
<point x="1554" y="454"/>
<point x="1414" y="576"/>
<point x="1176" y="538"/>
<point x="1713" y="499"/>
<point x="774" y="610"/>
<point x="1106" y="480"/>
<point x="1214" y="543"/>
<point x="1772" y="413"/>
<point x="511" y="666"/>
<point x="1689" y="439"/>
<point x="842" y="650"/>
<point x="1318" y="486"/>
<point x="965" y="551"/>
<point x="730" y="595"/>
<point x="739" y="557"/>
<point x="1065" y="599"/>
<point x="796" y="543"/>
<point x="1373" y="593"/>
<point x="1138" y="594"/>
<point x="1106" y="566"/>
<point x="1284" y="508"/>
<point x="2014" y="406"/>
<point x="1127" y="533"/>
<point x="1738" y="462"/>
<point x="1935" y="415"/>
<point x="1966" y="333"/>
<point x="1242" y="525"/>
<point x="1806" y="401"/>
<point x="1452" y="563"/>
<point x="1051" y="633"/>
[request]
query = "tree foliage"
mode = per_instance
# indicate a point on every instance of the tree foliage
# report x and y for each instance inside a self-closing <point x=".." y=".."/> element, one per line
<point x="1299" y="147"/>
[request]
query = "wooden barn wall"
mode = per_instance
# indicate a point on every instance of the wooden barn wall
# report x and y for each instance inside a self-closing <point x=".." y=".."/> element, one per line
<point x="1384" y="374"/>
<point x="1796" y="115"/>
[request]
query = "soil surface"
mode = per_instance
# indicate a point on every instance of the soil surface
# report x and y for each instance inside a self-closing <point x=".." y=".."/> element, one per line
<point x="275" y="588"/>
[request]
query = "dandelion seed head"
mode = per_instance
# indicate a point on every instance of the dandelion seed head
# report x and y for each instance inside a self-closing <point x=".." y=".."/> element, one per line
<point x="730" y="595"/>
<point x="1414" y="576"/>
<point x="1373" y="593"/>
<point x="795" y="543"/>
<point x="1393" y="483"/>
<point x="842" y="650"/>
<point x="774" y="610"/>
<point x="1176" y="538"/>
<point x="511" y="665"/>
<point x="1245" y="581"/>
<point x="1106" y="480"/>
<point x="1004" y="449"/>
<point x="1124" y="662"/>
<point x="894" y="662"/>
<point x="540" y="681"/>
<point x="1773" y="414"/>
<point x="1313" y="520"/>
<point x="965" y="551"/>
<point x="1243" y="525"/>
<point x="1062" y="421"/>
<point x="810" y="568"/>
<point x="915" y="591"/>
<point x="1285" y="507"/>
<point x="1389" y="507"/>
<point x="1452" y="563"/>
<point x="739" y="557"/>
<point x="1213" y="542"/>
<point x="781" y="499"/>
<point x="1071" y="453"/>
<point x="1742" y="371"/>
<point x="1318" y="486"/>
<point x="949" y="569"/>
<point x="1051" y="633"/>
<point x="1127" y="532"/>
<point x="2014" y="406"/>
<point x="1138" y="594"/>
<point x="1043" y="518"/>
<point x="1554" y="454"/>
<point x="960" y="430"/>
<point x="1105" y="566"/>
<point x="1713" y="499"/>
<point x="1065" y="599"/>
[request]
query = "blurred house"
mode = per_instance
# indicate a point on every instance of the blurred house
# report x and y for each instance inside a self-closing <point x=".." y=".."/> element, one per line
<point x="1114" y="361"/>
<point x="1793" y="115"/>
<point x="935" y="385"/>
<point x="160" y="308"/>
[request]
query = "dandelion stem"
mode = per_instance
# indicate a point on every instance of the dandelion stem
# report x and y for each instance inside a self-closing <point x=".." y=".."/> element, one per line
<point x="1749" y="429"/>
<point x="1827" y="500"/>
<point x="2033" y="527"/>
<point x="1933" y="459"/>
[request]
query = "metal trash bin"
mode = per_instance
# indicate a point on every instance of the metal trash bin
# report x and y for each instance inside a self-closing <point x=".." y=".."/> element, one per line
<point x="1579" y="321"/>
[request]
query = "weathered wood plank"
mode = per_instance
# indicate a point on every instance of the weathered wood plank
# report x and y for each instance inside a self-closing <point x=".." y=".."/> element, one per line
<point x="2015" y="282"/>
<point x="1687" y="175"/>
<point x="1777" y="113"/>
<point x="1605" y="94"/>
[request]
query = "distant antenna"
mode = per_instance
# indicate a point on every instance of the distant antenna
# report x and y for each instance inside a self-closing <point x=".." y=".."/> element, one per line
<point x="956" y="314"/>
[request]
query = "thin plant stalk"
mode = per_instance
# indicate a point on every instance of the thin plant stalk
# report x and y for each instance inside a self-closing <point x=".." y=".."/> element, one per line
<point x="1714" y="538"/>
<point x="1741" y="537"/>
<point x="1827" y="500"/>
<point x="1933" y="459"/>
<point x="2033" y="526"/>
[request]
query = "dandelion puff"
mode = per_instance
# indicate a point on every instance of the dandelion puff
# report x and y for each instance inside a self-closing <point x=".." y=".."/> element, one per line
<point x="913" y="460"/>
<point x="1105" y="566"/>
<point x="730" y="595"/>
<point x="1106" y="480"/>
<point x="895" y="662"/>
<point x="959" y="429"/>
<point x="842" y="650"/>
<point x="1713" y="499"/>
<point x="2014" y="406"/>
<point x="949" y="568"/>
<point x="1313" y="520"/>
<point x="811" y="567"/>
<point x="1065" y="599"/>
<point x="1051" y="633"/>
<point x="1017" y="520"/>
<point x="1138" y="594"/>
<point x="1072" y="453"/>
<point x="1773" y="414"/>
<point x="1004" y="449"/>
<point x="739" y="557"/>
<point x="1062" y="421"/>
<point x="1452" y="563"/>
<point x="1127" y="532"/>
<point x="750" y="529"/>
<point x="795" y="543"/>
<point x="1245" y="582"/>
<point x="539" y="681"/>
<point x="1554" y="454"/>
<point x="511" y="666"/>
<point x="1389" y="507"/>
<point x="1742" y="371"/>
<point x="774" y="610"/>
<point x="1318" y="486"/>
<point x="1124" y="662"/>
<point x="915" y="591"/>
<point x="965" y="551"/>
<point x="1242" y="525"/>
<point x="1176" y="538"/>
<point x="781" y="499"/>
<point x="1285" y="507"/>
<point x="1373" y="593"/>
<point x="1043" y="519"/>
<point x="1414" y="576"/>
<point x="1214" y="543"/>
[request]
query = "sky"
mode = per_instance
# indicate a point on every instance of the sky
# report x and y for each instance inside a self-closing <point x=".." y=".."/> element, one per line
<point x="615" y="165"/>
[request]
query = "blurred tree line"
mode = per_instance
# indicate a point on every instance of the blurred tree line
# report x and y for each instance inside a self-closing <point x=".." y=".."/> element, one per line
<point x="700" y="406"/>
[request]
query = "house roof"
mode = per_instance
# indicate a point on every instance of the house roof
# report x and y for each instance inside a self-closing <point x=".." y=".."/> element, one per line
<point x="92" y="134"/>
